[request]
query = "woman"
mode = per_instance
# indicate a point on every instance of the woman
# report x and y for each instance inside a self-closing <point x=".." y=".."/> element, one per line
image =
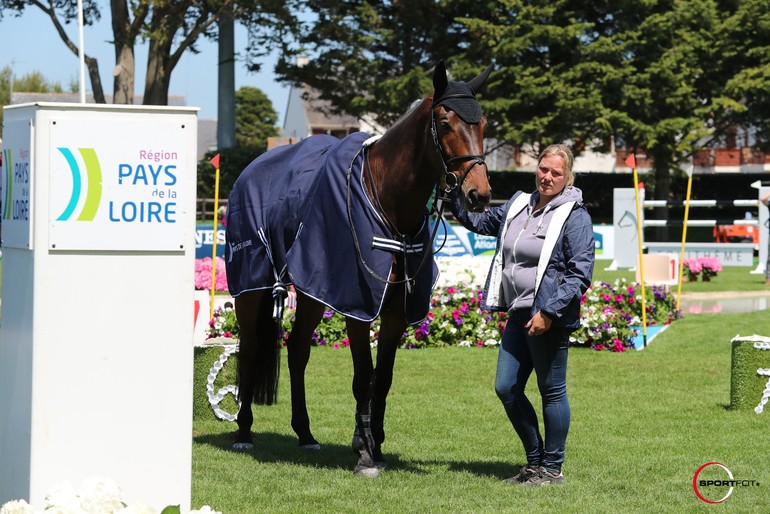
<point x="542" y="266"/>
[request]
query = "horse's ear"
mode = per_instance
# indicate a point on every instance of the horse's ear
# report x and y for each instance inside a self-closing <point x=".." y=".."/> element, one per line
<point x="478" y="83"/>
<point x="439" y="79"/>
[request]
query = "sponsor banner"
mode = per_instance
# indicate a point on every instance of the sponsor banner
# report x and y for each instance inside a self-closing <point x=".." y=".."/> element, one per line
<point x="604" y="237"/>
<point x="476" y="244"/>
<point x="204" y="240"/>
<point x="450" y="242"/>
<point x="482" y="245"/>
<point x="109" y="192"/>
<point x="459" y="242"/>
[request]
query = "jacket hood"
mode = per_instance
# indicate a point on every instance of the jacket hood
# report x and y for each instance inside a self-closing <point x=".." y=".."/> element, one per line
<point x="569" y="194"/>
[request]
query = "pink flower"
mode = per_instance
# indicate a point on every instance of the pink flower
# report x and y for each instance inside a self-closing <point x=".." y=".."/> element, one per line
<point x="203" y="274"/>
<point x="694" y="266"/>
<point x="710" y="263"/>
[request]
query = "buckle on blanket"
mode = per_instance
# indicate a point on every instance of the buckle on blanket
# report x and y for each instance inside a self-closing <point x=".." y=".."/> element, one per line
<point x="279" y="295"/>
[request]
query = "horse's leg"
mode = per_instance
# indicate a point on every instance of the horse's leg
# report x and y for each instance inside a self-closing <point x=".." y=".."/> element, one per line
<point x="392" y="326"/>
<point x="363" y="376"/>
<point x="307" y="317"/>
<point x="257" y="336"/>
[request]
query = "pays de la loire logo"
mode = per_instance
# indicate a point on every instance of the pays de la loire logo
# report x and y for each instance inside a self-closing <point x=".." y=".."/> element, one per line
<point x="93" y="194"/>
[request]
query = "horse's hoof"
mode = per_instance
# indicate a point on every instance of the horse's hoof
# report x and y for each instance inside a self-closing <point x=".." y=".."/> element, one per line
<point x="311" y="446"/>
<point x="381" y="464"/>
<point x="243" y="447"/>
<point x="366" y="471"/>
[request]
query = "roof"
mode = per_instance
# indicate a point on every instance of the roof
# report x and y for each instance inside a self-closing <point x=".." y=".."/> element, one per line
<point x="319" y="112"/>
<point x="23" y="98"/>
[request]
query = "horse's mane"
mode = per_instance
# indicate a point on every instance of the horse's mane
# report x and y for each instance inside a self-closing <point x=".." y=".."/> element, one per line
<point x="406" y="117"/>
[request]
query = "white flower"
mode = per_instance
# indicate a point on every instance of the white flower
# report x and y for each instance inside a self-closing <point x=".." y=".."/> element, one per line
<point x="100" y="495"/>
<point x="16" y="507"/>
<point x="63" y="498"/>
<point x="137" y="508"/>
<point x="205" y="510"/>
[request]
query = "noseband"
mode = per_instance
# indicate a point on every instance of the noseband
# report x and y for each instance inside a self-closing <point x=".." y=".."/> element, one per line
<point x="455" y="182"/>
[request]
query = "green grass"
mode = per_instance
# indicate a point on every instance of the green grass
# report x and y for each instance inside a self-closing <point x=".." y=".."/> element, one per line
<point x="642" y="424"/>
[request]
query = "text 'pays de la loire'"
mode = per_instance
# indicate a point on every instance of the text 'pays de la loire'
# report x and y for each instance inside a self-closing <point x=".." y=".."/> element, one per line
<point x="161" y="180"/>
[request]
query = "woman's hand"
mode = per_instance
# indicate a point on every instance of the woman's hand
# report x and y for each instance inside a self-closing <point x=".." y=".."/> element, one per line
<point x="539" y="324"/>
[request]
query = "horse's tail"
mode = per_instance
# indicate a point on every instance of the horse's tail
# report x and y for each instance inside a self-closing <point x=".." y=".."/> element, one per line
<point x="259" y="357"/>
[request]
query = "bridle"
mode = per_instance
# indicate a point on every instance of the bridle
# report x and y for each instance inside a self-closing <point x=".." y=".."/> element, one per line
<point x="437" y="207"/>
<point x="446" y="162"/>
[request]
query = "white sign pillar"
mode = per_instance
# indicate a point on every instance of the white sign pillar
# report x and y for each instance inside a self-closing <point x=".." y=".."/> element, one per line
<point x="764" y="232"/>
<point x="98" y="242"/>
<point x="626" y="250"/>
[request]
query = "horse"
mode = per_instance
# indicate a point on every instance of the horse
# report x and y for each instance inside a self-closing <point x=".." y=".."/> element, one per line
<point x="366" y="253"/>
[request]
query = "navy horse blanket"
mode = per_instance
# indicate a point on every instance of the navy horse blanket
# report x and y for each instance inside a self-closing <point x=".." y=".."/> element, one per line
<point x="289" y="222"/>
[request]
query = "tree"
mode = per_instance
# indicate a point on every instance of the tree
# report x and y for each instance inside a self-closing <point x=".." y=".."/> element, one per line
<point x="256" y="119"/>
<point x="747" y="44"/>
<point x="62" y="12"/>
<point x="374" y="58"/>
<point x="666" y="78"/>
<point x="33" y="82"/>
<point x="6" y="76"/>
<point x="650" y="74"/>
<point x="172" y="28"/>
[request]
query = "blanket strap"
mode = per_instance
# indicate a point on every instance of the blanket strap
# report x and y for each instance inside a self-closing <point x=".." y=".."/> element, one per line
<point x="280" y="288"/>
<point x="280" y="292"/>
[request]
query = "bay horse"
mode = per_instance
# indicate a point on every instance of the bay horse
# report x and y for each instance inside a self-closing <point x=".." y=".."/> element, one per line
<point x="355" y="237"/>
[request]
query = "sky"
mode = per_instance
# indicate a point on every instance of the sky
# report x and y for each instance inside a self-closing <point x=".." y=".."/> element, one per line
<point x="30" y="43"/>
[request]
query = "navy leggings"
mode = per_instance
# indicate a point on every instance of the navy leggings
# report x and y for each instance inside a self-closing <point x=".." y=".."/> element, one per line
<point x="547" y="354"/>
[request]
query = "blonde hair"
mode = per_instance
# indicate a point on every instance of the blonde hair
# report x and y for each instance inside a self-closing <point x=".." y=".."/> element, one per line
<point x="565" y="153"/>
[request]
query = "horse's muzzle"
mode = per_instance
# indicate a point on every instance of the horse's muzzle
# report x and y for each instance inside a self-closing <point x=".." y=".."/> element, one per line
<point x="475" y="201"/>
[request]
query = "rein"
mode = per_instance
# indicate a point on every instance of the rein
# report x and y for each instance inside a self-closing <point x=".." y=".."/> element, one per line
<point x="438" y="206"/>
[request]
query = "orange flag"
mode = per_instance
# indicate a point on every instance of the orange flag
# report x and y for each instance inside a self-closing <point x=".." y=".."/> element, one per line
<point x="215" y="161"/>
<point x="630" y="162"/>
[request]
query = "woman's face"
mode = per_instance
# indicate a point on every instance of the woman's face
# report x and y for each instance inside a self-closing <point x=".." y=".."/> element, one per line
<point x="551" y="176"/>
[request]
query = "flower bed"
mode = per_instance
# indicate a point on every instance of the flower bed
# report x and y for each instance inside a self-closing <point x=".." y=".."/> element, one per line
<point x="609" y="311"/>
<point x="96" y="495"/>
<point x="705" y="267"/>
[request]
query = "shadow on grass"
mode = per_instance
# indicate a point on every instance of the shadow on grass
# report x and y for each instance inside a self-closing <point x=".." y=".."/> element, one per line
<point x="274" y="447"/>
<point x="271" y="447"/>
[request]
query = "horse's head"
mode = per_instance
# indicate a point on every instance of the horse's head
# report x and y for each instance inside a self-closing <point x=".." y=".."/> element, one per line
<point x="458" y="133"/>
